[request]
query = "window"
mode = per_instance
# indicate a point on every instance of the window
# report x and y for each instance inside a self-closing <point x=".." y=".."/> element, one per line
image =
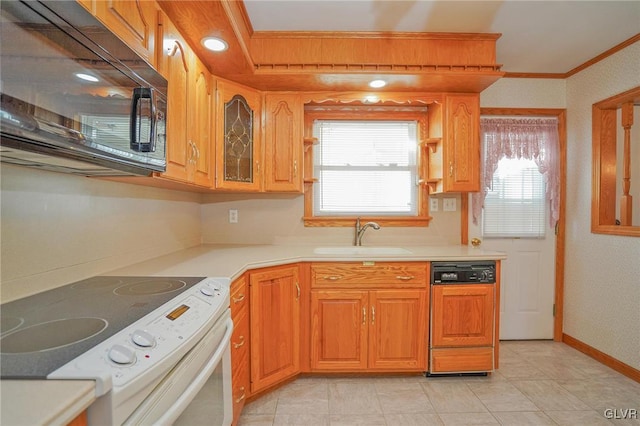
<point x="365" y="168"/>
<point x="515" y="204"/>
<point x="366" y="163"/>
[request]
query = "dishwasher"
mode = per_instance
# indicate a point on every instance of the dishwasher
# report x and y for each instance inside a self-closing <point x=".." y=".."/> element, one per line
<point x="462" y="317"/>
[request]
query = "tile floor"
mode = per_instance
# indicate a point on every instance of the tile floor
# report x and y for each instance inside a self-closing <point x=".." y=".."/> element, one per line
<point x="538" y="383"/>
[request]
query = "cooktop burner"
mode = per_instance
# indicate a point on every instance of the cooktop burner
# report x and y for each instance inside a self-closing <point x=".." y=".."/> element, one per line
<point x="42" y="332"/>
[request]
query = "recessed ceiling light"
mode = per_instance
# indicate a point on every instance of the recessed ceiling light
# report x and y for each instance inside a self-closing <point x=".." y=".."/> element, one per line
<point x="376" y="84"/>
<point x="215" y="44"/>
<point x="87" y="77"/>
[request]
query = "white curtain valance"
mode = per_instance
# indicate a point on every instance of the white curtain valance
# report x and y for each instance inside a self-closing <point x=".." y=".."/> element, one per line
<point x="520" y="138"/>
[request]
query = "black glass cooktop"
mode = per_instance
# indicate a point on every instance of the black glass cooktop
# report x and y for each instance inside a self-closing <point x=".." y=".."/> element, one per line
<point x="41" y="333"/>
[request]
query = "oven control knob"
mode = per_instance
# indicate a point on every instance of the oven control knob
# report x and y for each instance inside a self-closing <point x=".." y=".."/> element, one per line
<point x="143" y="338"/>
<point x="122" y="355"/>
<point x="207" y="291"/>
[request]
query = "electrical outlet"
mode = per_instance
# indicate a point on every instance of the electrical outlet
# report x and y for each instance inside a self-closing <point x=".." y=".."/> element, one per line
<point x="233" y="216"/>
<point x="449" y="204"/>
<point x="433" y="204"/>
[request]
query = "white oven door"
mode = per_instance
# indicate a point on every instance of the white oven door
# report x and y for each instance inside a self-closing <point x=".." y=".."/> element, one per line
<point x="198" y="389"/>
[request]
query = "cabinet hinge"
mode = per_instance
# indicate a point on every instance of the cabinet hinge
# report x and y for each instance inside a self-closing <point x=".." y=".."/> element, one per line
<point x="554" y="309"/>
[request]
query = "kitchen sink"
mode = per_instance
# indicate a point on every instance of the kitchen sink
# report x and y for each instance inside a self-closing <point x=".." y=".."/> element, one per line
<point x="347" y="250"/>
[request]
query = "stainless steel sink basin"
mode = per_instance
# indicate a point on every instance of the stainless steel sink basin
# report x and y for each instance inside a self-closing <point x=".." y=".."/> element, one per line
<point x="353" y="250"/>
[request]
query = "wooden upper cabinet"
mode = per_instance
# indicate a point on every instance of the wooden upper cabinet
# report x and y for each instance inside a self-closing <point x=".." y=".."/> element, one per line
<point x="175" y="65"/>
<point x="275" y="325"/>
<point x="134" y="21"/>
<point x="190" y="107"/>
<point x="238" y="132"/>
<point x="462" y="143"/>
<point x="200" y="140"/>
<point x="283" y="142"/>
<point x="452" y="149"/>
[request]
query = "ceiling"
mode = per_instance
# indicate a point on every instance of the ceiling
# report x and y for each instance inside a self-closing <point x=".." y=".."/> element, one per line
<point x="538" y="37"/>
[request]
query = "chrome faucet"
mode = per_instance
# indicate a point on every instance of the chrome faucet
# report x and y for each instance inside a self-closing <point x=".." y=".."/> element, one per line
<point x="360" y="230"/>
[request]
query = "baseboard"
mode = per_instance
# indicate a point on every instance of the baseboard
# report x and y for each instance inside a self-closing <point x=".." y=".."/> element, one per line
<point x="600" y="356"/>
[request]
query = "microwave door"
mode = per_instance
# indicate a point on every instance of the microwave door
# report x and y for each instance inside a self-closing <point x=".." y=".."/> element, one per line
<point x="70" y="91"/>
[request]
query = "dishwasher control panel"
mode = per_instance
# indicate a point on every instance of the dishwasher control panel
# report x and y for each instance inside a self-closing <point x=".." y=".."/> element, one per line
<point x="479" y="272"/>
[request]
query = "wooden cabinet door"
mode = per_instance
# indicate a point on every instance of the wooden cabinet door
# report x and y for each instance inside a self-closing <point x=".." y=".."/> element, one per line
<point x="134" y="21"/>
<point x="462" y="315"/>
<point x="238" y="131"/>
<point x="239" y="345"/>
<point x="175" y="66"/>
<point x="398" y="329"/>
<point x="200" y="169"/>
<point x="275" y="325"/>
<point x="283" y="143"/>
<point x="462" y="143"/>
<point x="339" y="328"/>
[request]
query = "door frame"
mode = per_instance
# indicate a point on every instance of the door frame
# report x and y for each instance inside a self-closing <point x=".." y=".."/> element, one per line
<point x="561" y="115"/>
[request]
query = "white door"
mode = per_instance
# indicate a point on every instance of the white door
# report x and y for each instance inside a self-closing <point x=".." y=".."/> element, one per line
<point x="527" y="282"/>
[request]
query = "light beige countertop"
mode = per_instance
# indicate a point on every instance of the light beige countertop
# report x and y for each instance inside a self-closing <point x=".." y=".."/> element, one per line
<point x="44" y="402"/>
<point x="232" y="260"/>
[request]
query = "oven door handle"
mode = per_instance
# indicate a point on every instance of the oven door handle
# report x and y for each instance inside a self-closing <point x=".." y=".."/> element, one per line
<point x="198" y="382"/>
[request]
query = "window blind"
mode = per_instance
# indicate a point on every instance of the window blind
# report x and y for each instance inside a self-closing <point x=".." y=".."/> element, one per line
<point x="515" y="205"/>
<point x="365" y="167"/>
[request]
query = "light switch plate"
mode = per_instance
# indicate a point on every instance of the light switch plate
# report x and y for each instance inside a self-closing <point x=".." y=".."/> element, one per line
<point x="433" y="204"/>
<point x="449" y="204"/>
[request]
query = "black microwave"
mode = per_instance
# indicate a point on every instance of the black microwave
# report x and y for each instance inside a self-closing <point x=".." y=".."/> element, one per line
<point x="74" y="97"/>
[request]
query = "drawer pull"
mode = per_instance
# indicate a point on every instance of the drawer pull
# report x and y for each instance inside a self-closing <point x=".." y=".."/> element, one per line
<point x="241" y="397"/>
<point x="238" y="299"/>
<point x="332" y="277"/>
<point x="297" y="291"/>
<point x="405" y="277"/>
<point x="364" y="316"/>
<point x="237" y="345"/>
<point x="373" y="314"/>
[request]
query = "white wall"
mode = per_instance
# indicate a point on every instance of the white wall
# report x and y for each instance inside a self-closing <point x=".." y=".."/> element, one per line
<point x="602" y="280"/>
<point x="273" y="219"/>
<point x="58" y="228"/>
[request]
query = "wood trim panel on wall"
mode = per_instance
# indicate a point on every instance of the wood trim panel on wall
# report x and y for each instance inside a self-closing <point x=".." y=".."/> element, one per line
<point x="602" y="357"/>
<point x="561" y="115"/>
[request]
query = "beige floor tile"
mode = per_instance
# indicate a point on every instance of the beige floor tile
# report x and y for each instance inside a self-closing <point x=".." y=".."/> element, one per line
<point x="247" y="419"/>
<point x="502" y="396"/>
<point x="413" y="420"/>
<point x="301" y="420"/>
<point x="538" y="383"/>
<point x="357" y="420"/>
<point x="452" y="397"/>
<point x="403" y="398"/>
<point x="354" y="398"/>
<point x="518" y="418"/>
<point x="548" y="395"/>
<point x="468" y="419"/>
<point x="578" y="418"/>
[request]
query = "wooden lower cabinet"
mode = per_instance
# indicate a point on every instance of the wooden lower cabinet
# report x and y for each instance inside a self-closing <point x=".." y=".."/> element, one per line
<point x="240" y="341"/>
<point x="462" y="328"/>
<point x="275" y="325"/>
<point x="382" y="330"/>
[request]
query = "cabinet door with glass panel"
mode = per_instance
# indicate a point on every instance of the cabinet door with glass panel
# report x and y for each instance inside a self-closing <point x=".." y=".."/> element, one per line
<point x="238" y="148"/>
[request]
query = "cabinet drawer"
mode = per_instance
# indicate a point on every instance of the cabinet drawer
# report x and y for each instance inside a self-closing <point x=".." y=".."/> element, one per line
<point x="369" y="274"/>
<point x="239" y="297"/>
<point x="456" y="360"/>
